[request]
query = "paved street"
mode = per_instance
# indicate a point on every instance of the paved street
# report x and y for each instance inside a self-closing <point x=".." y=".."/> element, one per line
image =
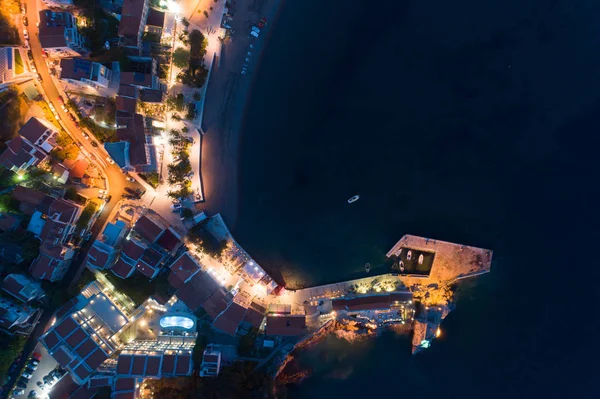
<point x="116" y="179"/>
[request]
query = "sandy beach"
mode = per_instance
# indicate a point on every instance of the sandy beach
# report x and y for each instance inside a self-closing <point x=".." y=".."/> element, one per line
<point x="224" y="111"/>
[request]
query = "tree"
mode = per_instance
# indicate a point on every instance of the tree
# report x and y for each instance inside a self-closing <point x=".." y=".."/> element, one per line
<point x="181" y="57"/>
<point x="8" y="203"/>
<point x="86" y="215"/>
<point x="197" y="96"/>
<point x="185" y="22"/>
<point x="198" y="45"/>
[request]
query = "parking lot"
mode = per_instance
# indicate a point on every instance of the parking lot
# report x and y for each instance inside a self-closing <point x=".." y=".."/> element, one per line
<point x="46" y="365"/>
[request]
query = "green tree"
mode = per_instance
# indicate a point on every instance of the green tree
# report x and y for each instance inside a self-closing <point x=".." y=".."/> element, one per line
<point x="8" y="203"/>
<point x="86" y="215"/>
<point x="181" y="57"/>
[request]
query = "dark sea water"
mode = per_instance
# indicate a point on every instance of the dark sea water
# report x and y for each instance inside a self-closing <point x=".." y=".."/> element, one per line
<point x="476" y="122"/>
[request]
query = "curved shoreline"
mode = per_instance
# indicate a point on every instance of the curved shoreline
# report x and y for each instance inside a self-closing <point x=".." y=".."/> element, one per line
<point x="225" y="111"/>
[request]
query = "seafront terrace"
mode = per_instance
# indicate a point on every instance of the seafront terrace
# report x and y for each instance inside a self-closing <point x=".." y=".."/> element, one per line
<point x="451" y="262"/>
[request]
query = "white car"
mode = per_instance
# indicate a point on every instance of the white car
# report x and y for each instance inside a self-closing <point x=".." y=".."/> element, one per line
<point x="25" y="34"/>
<point x="131" y="179"/>
<point x="110" y="161"/>
<point x="85" y="136"/>
<point x="103" y="192"/>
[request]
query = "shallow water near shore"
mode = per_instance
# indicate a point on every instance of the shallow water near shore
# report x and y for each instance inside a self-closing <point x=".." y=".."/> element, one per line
<point x="471" y="122"/>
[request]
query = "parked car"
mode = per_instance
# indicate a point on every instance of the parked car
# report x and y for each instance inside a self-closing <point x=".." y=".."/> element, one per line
<point x="87" y="103"/>
<point x="131" y="179"/>
<point x="25" y="34"/>
<point x="18" y="391"/>
<point x="31" y="368"/>
<point x="108" y="198"/>
<point x="94" y="144"/>
<point x="26" y="375"/>
<point x="25" y="23"/>
<point x="110" y="161"/>
<point x="85" y="136"/>
<point x="176" y="206"/>
<point x="102" y="191"/>
<point x="33" y="394"/>
<point x="40" y="384"/>
<point x="36" y="356"/>
<point x="22" y="383"/>
<point x="60" y="100"/>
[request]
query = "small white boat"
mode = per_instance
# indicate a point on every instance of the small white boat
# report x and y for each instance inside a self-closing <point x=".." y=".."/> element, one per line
<point x="353" y="199"/>
<point x="421" y="258"/>
<point x="409" y="255"/>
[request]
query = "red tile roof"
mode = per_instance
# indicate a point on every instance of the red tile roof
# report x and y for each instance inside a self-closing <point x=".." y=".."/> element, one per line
<point x="12" y="285"/>
<point x="66" y="326"/>
<point x="28" y="195"/>
<point x="168" y="365"/>
<point x="86" y="348"/>
<point x="124" y="364"/>
<point x="124" y="384"/>
<point x="8" y="222"/>
<point x="286" y="325"/>
<point x="62" y="357"/>
<point x="78" y="169"/>
<point x="128" y="91"/>
<point x="197" y="290"/>
<point x="126" y="104"/>
<point x="19" y="153"/>
<point x="169" y="240"/>
<point x="51" y="339"/>
<point x="132" y="130"/>
<point x="139" y="364"/>
<point x="215" y="304"/>
<point x="97" y="257"/>
<point x="82" y="372"/>
<point x="43" y="267"/>
<point x="182" y="270"/>
<point x="34" y="129"/>
<point x="122" y="269"/>
<point x="153" y="366"/>
<point x="230" y="319"/>
<point x="370" y="302"/>
<point x="147" y="228"/>
<point x="77" y="337"/>
<point x="96" y="358"/>
<point x="254" y="318"/>
<point x="65" y="210"/>
<point x="184" y="365"/>
<point x="133" y="249"/>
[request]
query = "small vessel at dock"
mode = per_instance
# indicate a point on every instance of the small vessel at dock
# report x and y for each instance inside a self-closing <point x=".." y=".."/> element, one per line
<point x="353" y="199"/>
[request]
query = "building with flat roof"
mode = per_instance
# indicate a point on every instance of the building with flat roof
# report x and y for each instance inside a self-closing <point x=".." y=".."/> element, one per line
<point x="59" y="35"/>
<point x="12" y="65"/>
<point x="83" y="339"/>
<point x="211" y="362"/>
<point x="286" y="325"/>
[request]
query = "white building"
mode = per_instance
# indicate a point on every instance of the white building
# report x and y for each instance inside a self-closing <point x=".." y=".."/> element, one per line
<point x="82" y="72"/>
<point x="211" y="363"/>
<point x="59" y="36"/>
